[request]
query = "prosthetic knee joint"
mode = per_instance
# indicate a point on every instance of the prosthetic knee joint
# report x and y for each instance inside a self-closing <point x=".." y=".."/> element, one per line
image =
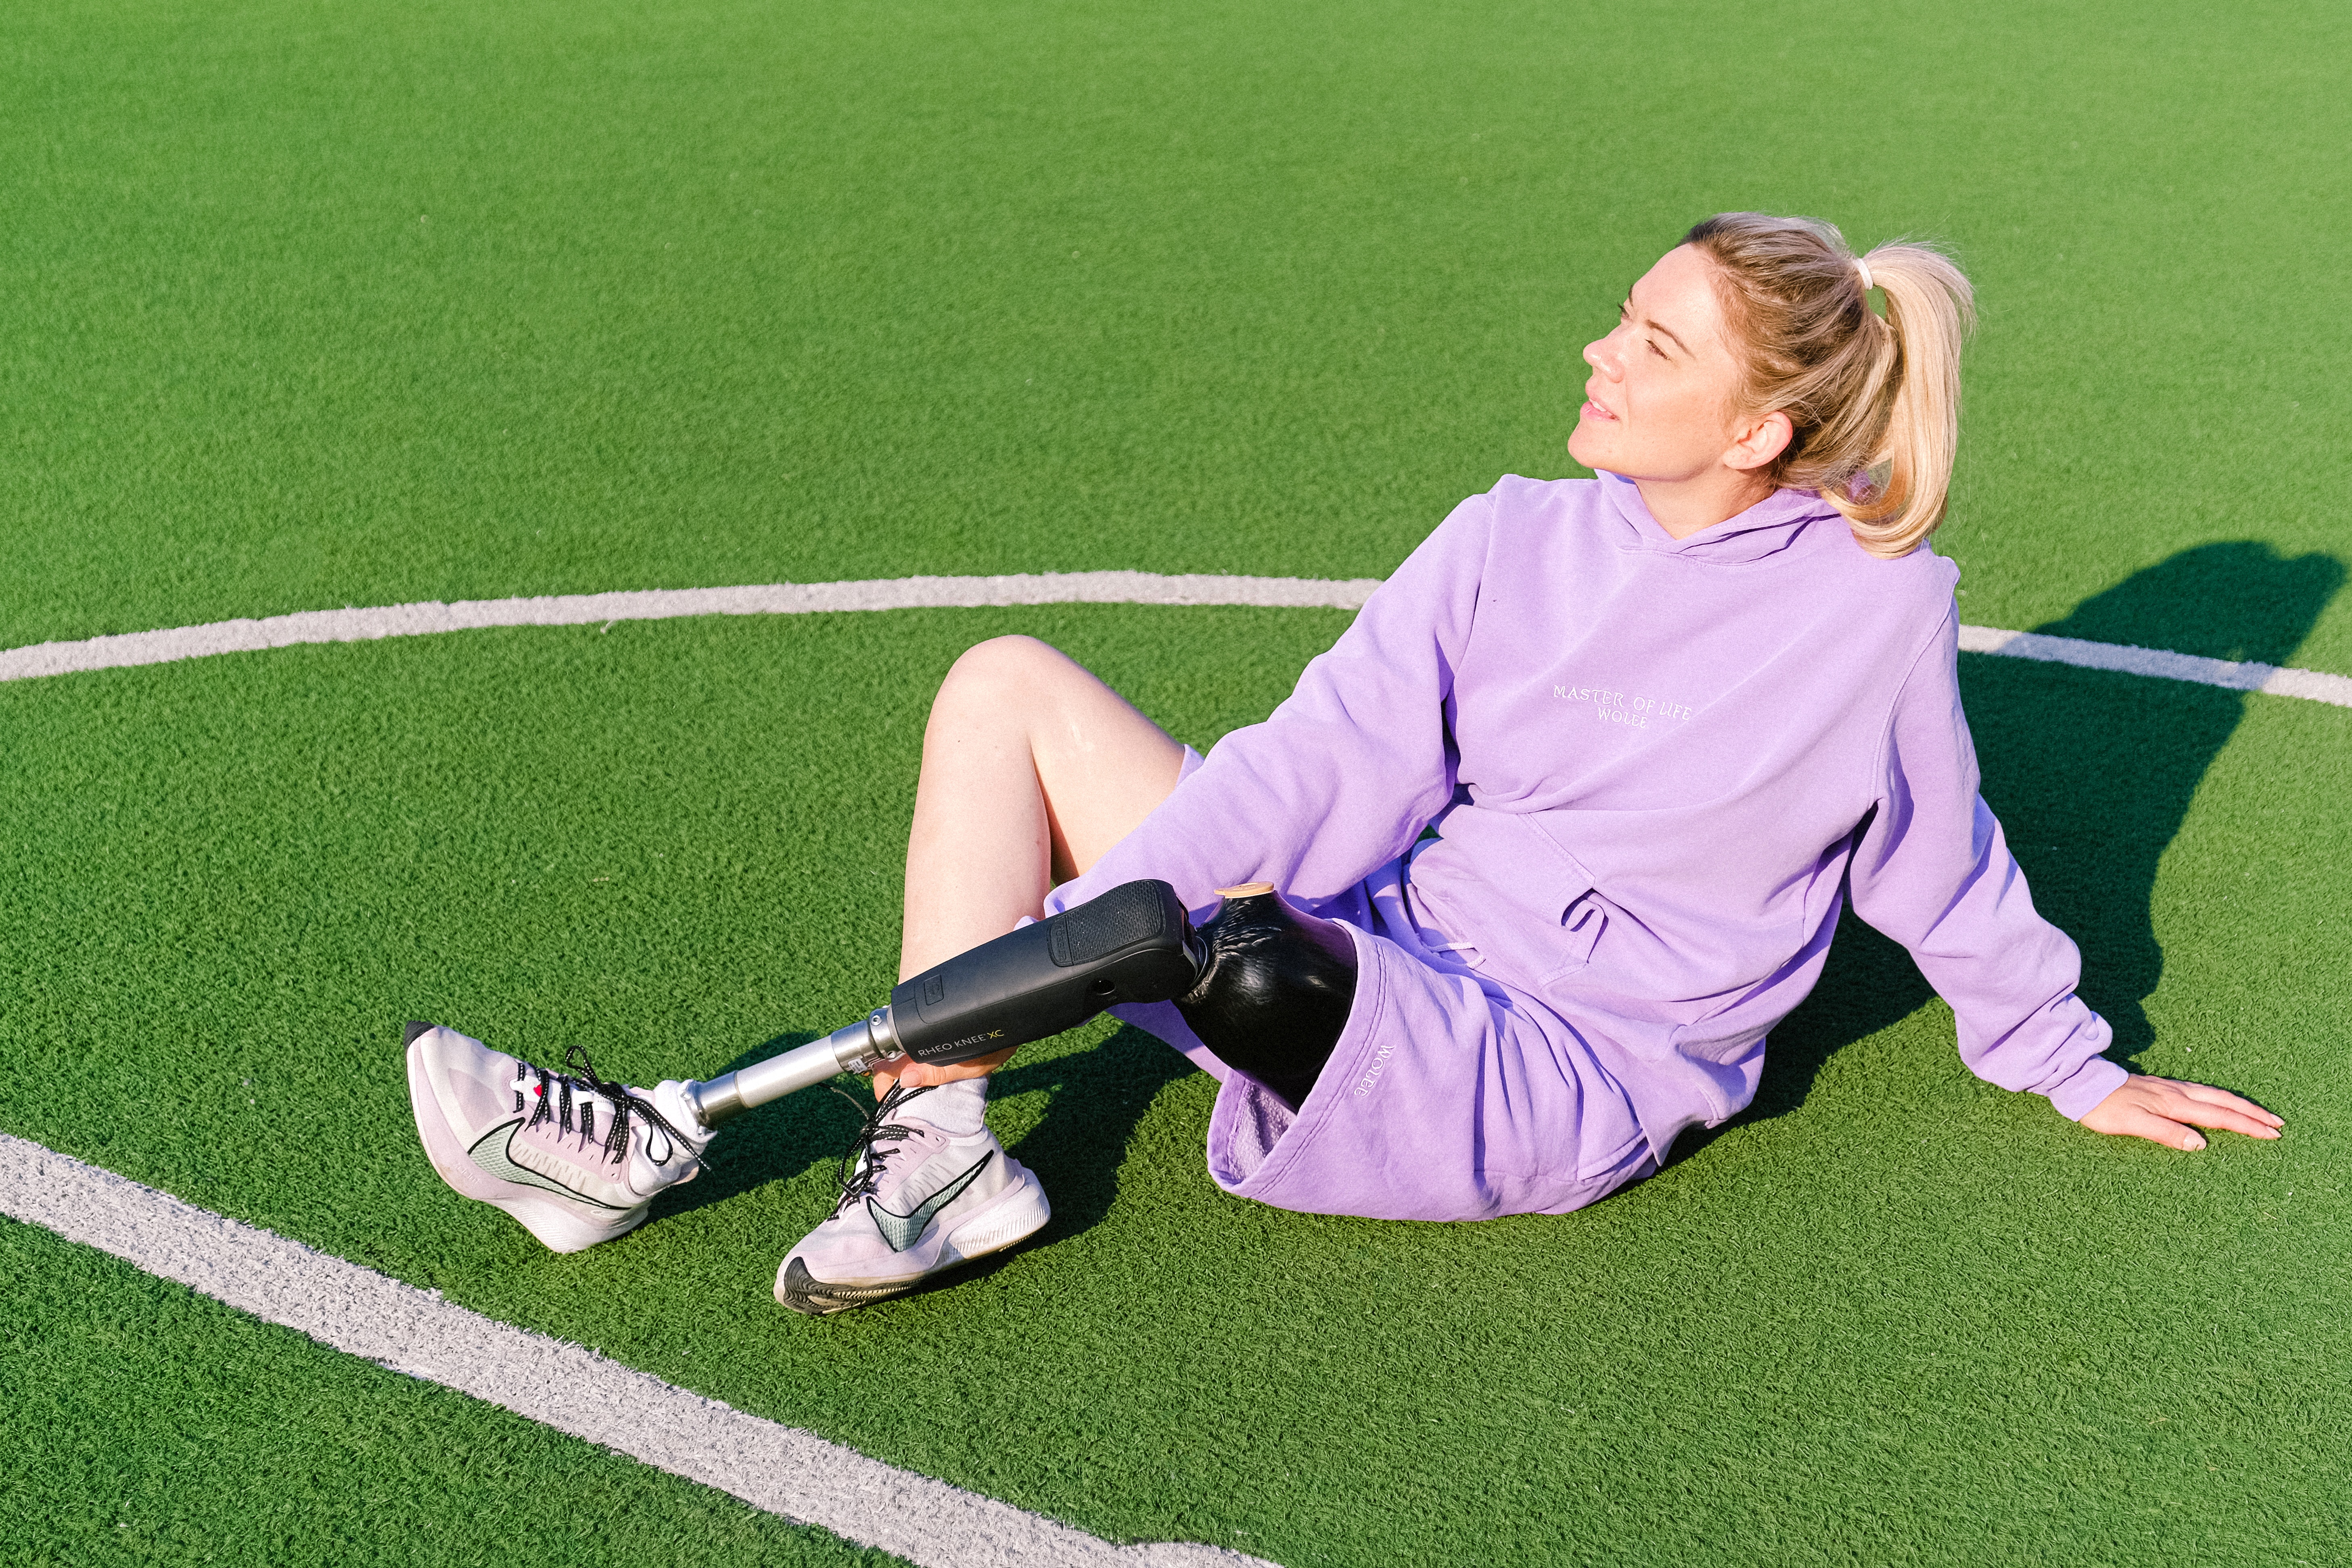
<point x="1266" y="992"/>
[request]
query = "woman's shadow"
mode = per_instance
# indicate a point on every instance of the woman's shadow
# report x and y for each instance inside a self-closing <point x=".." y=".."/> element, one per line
<point x="2091" y="774"/>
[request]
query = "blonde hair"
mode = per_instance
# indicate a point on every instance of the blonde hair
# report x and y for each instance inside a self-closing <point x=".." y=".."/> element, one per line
<point x="1876" y="405"/>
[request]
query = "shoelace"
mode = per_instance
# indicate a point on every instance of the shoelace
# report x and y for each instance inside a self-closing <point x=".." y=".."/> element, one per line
<point x="860" y="1174"/>
<point x="556" y="1101"/>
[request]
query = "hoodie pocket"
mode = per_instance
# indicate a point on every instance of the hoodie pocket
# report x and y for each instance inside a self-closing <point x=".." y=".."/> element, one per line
<point x="1504" y="895"/>
<point x="1583" y="913"/>
<point x="1580" y="925"/>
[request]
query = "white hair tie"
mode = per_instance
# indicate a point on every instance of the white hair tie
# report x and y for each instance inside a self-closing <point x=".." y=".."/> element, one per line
<point x="1863" y="268"/>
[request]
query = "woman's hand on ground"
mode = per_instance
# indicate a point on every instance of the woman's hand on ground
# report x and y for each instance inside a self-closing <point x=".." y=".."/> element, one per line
<point x="2167" y="1111"/>
<point x="915" y="1074"/>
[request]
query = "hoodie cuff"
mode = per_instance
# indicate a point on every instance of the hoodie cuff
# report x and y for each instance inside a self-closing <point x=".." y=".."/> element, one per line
<point x="2093" y="1082"/>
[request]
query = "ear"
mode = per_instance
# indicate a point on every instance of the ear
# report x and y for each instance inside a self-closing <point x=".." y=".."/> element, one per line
<point x="1757" y="441"/>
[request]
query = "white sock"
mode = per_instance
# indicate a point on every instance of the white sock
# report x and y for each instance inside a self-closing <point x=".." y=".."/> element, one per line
<point x="957" y="1109"/>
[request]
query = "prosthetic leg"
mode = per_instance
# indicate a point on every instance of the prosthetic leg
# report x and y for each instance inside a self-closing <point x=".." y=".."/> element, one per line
<point x="1266" y="992"/>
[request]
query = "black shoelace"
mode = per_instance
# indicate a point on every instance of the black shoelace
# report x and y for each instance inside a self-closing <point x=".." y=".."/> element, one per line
<point x="860" y="1174"/>
<point x="556" y="1101"/>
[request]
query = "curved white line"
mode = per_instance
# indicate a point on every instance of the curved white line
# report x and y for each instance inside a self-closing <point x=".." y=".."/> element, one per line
<point x="2313" y="685"/>
<point x="975" y="593"/>
<point x="779" y="1468"/>
<point x="665" y="603"/>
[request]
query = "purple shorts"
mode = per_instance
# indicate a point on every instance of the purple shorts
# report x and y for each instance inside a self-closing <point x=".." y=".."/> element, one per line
<point x="1449" y="1095"/>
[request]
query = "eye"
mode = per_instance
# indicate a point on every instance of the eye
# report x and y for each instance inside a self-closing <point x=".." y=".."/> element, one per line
<point x="1656" y="350"/>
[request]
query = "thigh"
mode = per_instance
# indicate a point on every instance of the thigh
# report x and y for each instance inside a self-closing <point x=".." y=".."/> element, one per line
<point x="1102" y="766"/>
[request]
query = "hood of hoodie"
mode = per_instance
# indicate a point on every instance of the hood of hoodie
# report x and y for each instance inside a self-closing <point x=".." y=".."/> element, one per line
<point x="1778" y="522"/>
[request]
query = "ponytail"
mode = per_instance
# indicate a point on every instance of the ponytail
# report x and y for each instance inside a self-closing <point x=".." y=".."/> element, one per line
<point x="1873" y="405"/>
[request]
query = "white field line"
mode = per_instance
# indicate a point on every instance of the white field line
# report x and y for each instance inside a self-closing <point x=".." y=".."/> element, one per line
<point x="973" y="593"/>
<point x="2316" y="685"/>
<point x="795" y="1474"/>
<point x="664" y="604"/>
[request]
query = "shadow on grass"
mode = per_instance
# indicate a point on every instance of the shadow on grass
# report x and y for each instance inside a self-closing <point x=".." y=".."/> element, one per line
<point x="780" y="1139"/>
<point x="1095" y="1099"/>
<point x="2092" y="774"/>
<point x="1094" y="1102"/>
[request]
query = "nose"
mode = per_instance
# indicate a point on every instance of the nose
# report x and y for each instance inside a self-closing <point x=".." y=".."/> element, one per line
<point x="1602" y="356"/>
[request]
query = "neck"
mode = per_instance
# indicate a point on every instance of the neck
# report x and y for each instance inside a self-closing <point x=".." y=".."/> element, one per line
<point x="1684" y="507"/>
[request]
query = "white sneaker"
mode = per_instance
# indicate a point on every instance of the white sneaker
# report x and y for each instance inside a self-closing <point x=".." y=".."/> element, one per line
<point x="914" y="1202"/>
<point x="558" y="1154"/>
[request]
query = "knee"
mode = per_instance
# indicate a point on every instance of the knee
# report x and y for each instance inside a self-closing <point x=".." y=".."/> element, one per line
<point x="1003" y="675"/>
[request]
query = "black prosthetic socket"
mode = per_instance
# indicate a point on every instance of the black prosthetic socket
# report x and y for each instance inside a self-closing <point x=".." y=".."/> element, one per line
<point x="1274" y="991"/>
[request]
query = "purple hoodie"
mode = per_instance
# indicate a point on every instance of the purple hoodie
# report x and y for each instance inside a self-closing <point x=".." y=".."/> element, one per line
<point x="1649" y="764"/>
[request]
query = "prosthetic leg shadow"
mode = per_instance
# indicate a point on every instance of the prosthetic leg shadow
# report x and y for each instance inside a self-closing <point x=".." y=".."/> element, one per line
<point x="1266" y="989"/>
<point x="1095" y="1099"/>
<point x="1272" y="1000"/>
<point x="2092" y="774"/>
<point x="779" y="1140"/>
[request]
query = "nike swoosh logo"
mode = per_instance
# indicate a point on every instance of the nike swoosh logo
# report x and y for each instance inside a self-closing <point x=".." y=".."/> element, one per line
<point x="903" y="1230"/>
<point x="491" y="1155"/>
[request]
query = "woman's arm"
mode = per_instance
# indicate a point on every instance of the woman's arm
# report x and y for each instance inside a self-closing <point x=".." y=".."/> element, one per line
<point x="1347" y="771"/>
<point x="1935" y="873"/>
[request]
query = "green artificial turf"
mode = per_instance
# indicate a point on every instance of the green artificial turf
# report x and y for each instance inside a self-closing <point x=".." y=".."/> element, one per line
<point x="1893" y="1315"/>
<point x="305" y="304"/>
<point x="147" y="1424"/>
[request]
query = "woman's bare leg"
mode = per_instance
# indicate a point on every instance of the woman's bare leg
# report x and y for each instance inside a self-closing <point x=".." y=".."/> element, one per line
<point x="1032" y="769"/>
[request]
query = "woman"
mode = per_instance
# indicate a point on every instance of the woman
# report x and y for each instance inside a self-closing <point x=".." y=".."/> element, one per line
<point x="1579" y="790"/>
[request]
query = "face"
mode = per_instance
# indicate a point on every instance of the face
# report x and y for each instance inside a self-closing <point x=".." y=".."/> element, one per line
<point x="1658" y="404"/>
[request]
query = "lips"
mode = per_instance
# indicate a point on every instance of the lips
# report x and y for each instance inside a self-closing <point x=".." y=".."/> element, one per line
<point x="1593" y="410"/>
